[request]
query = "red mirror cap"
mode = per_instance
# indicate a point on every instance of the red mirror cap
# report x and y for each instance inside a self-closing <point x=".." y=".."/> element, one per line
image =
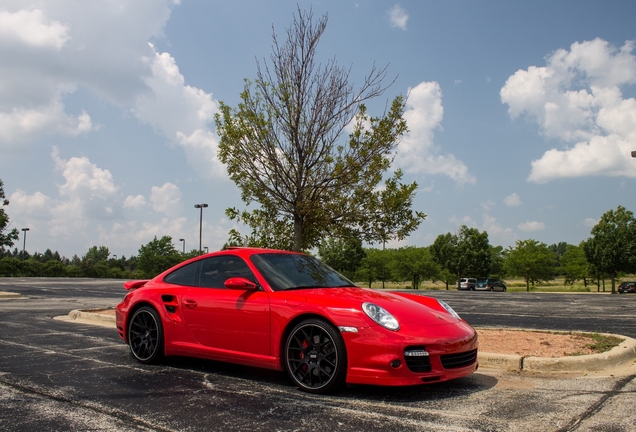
<point x="240" y="283"/>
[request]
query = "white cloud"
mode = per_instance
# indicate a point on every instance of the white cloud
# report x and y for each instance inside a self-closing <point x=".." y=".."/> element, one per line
<point x="531" y="226"/>
<point x="497" y="234"/>
<point x="398" y="17"/>
<point x="21" y="125"/>
<point x="417" y="152"/>
<point x="50" y="50"/>
<point x="488" y="205"/>
<point x="172" y="106"/>
<point x="166" y="199"/>
<point x="84" y="180"/>
<point x="88" y="209"/>
<point x="513" y="200"/>
<point x="135" y="202"/>
<point x="32" y="27"/>
<point x="576" y="98"/>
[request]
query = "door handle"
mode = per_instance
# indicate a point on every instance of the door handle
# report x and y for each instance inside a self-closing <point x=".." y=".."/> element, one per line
<point x="190" y="304"/>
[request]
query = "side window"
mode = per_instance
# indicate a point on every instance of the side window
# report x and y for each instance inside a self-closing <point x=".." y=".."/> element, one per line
<point x="216" y="270"/>
<point x="185" y="275"/>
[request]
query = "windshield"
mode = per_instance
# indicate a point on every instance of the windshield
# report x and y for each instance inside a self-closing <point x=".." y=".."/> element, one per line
<point x="294" y="271"/>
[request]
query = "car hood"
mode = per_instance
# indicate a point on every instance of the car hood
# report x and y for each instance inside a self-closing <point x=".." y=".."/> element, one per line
<point x="406" y="308"/>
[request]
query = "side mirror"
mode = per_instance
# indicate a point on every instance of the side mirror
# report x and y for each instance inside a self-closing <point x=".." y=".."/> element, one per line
<point x="240" y="283"/>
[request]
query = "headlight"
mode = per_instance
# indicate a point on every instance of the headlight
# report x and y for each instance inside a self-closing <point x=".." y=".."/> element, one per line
<point x="448" y="308"/>
<point x="381" y="316"/>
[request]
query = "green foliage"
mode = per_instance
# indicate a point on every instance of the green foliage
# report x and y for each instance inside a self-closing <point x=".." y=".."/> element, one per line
<point x="573" y="265"/>
<point x="414" y="264"/>
<point x="268" y="229"/>
<point x="392" y="217"/>
<point x="284" y="149"/>
<point x="10" y="267"/>
<point x="7" y="236"/>
<point x="157" y="255"/>
<point x="96" y="255"/>
<point x="374" y="266"/>
<point x="344" y="256"/>
<point x="447" y="277"/>
<point x="612" y="247"/>
<point x="532" y="260"/>
<point x="497" y="262"/>
<point x="467" y="254"/>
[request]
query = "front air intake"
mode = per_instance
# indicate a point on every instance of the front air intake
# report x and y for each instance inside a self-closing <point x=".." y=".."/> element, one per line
<point x="417" y="359"/>
<point x="459" y="360"/>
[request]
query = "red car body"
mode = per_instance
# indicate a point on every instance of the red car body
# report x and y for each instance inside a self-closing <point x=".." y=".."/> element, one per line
<point x="249" y="321"/>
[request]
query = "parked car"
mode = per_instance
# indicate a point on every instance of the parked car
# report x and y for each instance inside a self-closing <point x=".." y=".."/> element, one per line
<point x="490" y="284"/>
<point x="467" y="284"/>
<point x="627" y="287"/>
<point x="288" y="311"/>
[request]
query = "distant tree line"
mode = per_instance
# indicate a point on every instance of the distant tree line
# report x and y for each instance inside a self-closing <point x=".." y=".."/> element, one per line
<point x="154" y="257"/>
<point x="609" y="254"/>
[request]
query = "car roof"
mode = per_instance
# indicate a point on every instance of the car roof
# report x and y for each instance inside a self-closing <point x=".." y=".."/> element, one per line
<point x="249" y="251"/>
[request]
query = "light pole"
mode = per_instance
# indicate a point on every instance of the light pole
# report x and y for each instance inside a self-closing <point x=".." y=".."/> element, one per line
<point x="183" y="241"/>
<point x="200" y="207"/>
<point x="24" y="230"/>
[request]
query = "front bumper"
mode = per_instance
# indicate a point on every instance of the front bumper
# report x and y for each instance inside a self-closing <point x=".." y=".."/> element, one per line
<point x="377" y="356"/>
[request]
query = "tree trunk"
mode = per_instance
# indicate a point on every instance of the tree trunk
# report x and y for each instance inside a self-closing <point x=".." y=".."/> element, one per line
<point x="298" y="234"/>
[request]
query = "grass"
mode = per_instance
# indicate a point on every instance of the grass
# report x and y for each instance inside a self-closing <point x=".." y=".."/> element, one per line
<point x="514" y="285"/>
<point x="602" y="343"/>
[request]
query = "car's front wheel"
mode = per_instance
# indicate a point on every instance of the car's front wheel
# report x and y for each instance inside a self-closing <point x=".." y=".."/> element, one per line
<point x="316" y="357"/>
<point x="145" y="335"/>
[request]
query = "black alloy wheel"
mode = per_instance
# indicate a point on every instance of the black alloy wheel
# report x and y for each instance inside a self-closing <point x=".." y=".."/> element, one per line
<point x="145" y="335"/>
<point x="315" y="357"/>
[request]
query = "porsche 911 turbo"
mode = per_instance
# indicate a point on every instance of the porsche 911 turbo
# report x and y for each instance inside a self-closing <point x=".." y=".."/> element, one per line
<point x="288" y="311"/>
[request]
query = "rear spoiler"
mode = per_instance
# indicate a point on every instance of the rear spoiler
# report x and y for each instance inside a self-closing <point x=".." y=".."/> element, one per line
<point x="133" y="285"/>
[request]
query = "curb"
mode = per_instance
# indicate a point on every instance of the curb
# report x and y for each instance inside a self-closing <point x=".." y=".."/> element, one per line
<point x="92" y="316"/>
<point x="618" y="356"/>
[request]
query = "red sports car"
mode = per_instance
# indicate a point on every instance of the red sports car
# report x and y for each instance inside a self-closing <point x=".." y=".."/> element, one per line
<point x="288" y="311"/>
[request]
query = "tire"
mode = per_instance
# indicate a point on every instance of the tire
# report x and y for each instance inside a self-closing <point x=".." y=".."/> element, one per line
<point x="145" y="336"/>
<point x="316" y="357"/>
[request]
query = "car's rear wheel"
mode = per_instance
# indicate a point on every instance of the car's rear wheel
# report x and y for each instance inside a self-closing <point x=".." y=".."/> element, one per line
<point x="145" y="335"/>
<point x="316" y="357"/>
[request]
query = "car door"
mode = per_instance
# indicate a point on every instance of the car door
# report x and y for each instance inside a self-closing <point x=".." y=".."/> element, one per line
<point x="227" y="319"/>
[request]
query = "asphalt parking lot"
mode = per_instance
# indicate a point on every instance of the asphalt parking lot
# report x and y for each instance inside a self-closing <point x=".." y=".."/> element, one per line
<point x="56" y="375"/>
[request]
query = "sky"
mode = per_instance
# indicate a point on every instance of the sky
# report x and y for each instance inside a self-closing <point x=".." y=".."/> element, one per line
<point x="521" y="115"/>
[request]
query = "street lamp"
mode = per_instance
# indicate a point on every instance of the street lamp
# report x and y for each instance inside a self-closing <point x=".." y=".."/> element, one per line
<point x="200" y="207"/>
<point x="206" y="249"/>
<point x="24" y="230"/>
<point x="183" y="241"/>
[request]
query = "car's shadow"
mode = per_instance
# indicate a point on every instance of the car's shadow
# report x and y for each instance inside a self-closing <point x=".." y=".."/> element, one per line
<point x="217" y="373"/>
